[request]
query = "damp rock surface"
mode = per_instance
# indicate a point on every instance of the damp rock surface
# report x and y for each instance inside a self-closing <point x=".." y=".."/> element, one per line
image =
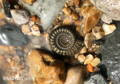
<point x="11" y="35"/>
<point x="111" y="54"/>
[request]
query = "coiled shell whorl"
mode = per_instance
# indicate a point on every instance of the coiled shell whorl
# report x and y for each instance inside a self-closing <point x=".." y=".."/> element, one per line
<point x="63" y="41"/>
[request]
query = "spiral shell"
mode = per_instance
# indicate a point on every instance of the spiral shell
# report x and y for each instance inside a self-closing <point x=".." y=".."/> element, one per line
<point x="64" y="41"/>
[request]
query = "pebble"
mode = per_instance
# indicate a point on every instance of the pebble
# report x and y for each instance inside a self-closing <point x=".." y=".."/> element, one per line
<point x="98" y="32"/>
<point x="90" y="68"/>
<point x="88" y="59"/>
<point x="20" y="16"/>
<point x="35" y="30"/>
<point x="35" y="19"/>
<point x="89" y="37"/>
<point x="91" y="17"/>
<point x="83" y="50"/>
<point x="26" y="29"/>
<point x="81" y="58"/>
<point x="108" y="28"/>
<point x="95" y="62"/>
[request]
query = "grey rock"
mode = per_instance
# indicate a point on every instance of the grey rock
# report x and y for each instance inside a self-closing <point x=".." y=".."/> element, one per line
<point x="47" y="10"/>
<point x="11" y="35"/>
<point x="96" y="79"/>
<point x="111" y="54"/>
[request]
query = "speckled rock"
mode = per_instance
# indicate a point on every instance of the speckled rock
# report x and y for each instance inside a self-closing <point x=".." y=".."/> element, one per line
<point x="111" y="55"/>
<point x="13" y="68"/>
<point x="96" y="79"/>
<point x="110" y="9"/>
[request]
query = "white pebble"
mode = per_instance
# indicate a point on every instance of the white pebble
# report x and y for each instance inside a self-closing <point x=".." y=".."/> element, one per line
<point x="20" y="16"/>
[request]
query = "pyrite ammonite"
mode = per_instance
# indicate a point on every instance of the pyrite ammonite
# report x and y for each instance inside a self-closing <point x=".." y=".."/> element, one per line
<point x="64" y="41"/>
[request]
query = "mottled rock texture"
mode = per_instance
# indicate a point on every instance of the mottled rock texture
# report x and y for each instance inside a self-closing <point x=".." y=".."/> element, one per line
<point x="110" y="9"/>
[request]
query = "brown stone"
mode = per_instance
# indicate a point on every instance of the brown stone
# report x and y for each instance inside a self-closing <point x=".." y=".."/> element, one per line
<point x="91" y="17"/>
<point x="81" y="58"/>
<point x="43" y="73"/>
<point x="89" y="37"/>
<point x="95" y="62"/>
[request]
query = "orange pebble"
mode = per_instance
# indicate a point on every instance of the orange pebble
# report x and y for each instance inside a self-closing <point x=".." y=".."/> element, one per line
<point x="90" y="68"/>
<point x="35" y="19"/>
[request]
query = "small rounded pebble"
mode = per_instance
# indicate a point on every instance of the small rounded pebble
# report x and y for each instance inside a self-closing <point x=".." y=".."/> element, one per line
<point x="95" y="62"/>
<point x="88" y="59"/>
<point x="25" y="29"/>
<point x="90" y="68"/>
<point x="81" y="58"/>
<point x="36" y="30"/>
<point x="83" y="50"/>
<point x="108" y="29"/>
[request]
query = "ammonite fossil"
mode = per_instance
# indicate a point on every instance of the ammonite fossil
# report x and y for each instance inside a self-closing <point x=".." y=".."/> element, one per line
<point x="64" y="41"/>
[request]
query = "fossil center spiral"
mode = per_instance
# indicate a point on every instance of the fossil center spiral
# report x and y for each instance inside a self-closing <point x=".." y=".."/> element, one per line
<point x="64" y="40"/>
